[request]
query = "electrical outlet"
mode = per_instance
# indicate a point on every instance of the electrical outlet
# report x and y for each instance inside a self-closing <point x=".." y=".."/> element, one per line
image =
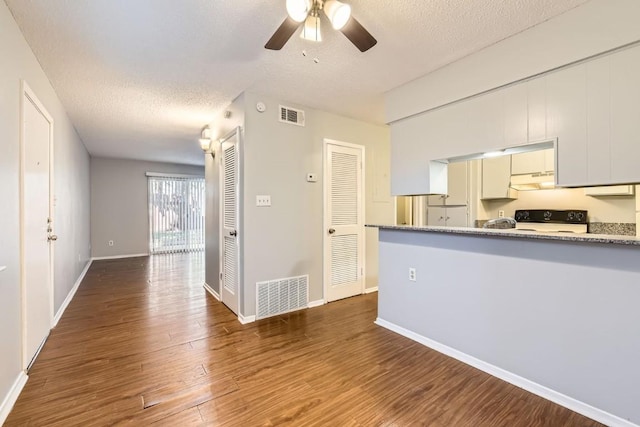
<point x="263" y="200"/>
<point x="412" y="274"/>
<point x="110" y="242"/>
<point x="500" y="214"/>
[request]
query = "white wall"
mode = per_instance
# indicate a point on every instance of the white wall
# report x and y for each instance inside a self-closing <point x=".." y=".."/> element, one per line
<point x="119" y="203"/>
<point x="71" y="192"/>
<point x="286" y="239"/>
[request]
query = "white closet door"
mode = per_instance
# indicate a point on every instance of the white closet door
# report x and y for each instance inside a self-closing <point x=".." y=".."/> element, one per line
<point x="229" y="226"/>
<point x="344" y="234"/>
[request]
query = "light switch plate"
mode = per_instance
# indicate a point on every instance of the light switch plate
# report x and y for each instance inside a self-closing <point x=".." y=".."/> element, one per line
<point x="263" y="200"/>
<point x="312" y="177"/>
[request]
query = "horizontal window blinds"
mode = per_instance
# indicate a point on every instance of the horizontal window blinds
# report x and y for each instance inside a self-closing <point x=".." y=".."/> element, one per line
<point x="176" y="214"/>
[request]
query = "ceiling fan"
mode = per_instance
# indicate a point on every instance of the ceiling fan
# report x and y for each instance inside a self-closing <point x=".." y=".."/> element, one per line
<point x="308" y="12"/>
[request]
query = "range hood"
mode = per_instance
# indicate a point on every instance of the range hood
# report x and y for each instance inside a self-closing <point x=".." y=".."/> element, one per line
<point x="533" y="181"/>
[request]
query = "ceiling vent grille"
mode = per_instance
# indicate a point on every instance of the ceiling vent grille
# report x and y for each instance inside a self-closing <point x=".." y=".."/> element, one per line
<point x="281" y="296"/>
<point x="291" y="116"/>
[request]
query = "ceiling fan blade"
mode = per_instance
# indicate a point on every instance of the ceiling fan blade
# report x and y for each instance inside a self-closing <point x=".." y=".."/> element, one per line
<point x="282" y="34"/>
<point x="358" y="35"/>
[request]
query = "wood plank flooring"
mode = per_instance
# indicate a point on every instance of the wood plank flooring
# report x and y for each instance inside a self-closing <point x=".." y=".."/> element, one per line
<point x="142" y="343"/>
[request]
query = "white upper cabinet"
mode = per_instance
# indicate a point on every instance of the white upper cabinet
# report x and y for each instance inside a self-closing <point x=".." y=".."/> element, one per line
<point x="457" y="185"/>
<point x="598" y="142"/>
<point x="625" y="116"/>
<point x="515" y="115"/>
<point x="496" y="177"/>
<point x="567" y="120"/>
<point x="537" y="109"/>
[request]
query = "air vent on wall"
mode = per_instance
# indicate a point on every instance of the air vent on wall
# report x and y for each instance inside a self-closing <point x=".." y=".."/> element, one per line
<point x="291" y="115"/>
<point x="281" y="296"/>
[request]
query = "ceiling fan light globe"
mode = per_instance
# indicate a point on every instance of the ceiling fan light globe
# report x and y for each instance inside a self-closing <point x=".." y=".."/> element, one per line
<point x="311" y="29"/>
<point x="298" y="9"/>
<point x="338" y="13"/>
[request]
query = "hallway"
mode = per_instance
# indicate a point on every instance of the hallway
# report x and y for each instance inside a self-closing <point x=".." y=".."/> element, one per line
<point x="142" y="343"/>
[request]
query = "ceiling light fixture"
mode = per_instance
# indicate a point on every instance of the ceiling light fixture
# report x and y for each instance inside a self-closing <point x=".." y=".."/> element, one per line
<point x="311" y="29"/>
<point x="299" y="9"/>
<point x="205" y="141"/>
<point x="338" y="13"/>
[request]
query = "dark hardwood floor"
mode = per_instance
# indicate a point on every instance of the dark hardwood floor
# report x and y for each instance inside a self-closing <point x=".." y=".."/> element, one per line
<point x="142" y="343"/>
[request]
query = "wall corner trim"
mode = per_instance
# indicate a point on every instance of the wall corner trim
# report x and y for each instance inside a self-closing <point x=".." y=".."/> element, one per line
<point x="316" y="303"/>
<point x="370" y="290"/>
<point x="212" y="291"/>
<point x="246" y="319"/>
<point x="71" y="294"/>
<point x="528" y="385"/>
<point x="11" y="397"/>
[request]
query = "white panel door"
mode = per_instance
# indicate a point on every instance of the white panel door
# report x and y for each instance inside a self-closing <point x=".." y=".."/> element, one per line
<point x="344" y="221"/>
<point x="229" y="250"/>
<point x="37" y="236"/>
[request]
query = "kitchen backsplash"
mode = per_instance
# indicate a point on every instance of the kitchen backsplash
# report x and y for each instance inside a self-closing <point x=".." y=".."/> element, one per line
<point x="602" y="210"/>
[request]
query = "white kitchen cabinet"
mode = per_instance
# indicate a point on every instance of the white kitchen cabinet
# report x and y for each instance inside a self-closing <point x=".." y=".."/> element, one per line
<point x="537" y="109"/>
<point x="610" y="190"/>
<point x="598" y="141"/>
<point x="625" y="116"/>
<point x="532" y="162"/>
<point x="496" y="177"/>
<point x="457" y="186"/>
<point x="456" y="216"/>
<point x="567" y="120"/>
<point x="515" y="116"/>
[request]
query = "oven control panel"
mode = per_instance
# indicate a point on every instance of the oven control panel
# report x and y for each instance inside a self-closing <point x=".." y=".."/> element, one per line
<point x="552" y="216"/>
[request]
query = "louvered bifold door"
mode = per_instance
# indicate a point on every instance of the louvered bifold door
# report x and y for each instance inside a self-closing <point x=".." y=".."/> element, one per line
<point x="345" y="232"/>
<point x="229" y="235"/>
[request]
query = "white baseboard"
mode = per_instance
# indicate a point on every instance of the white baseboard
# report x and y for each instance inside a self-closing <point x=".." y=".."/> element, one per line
<point x="528" y="385"/>
<point x="11" y="397"/>
<point x="248" y="319"/>
<point x="71" y="294"/>
<point x="211" y="291"/>
<point x="98" y="258"/>
<point x="316" y="303"/>
<point x="370" y="290"/>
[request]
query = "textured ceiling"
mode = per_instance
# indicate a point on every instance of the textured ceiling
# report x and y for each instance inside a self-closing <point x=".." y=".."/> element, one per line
<point x="139" y="78"/>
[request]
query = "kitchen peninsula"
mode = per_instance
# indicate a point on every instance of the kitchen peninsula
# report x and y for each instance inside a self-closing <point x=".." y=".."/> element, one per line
<point x="555" y="314"/>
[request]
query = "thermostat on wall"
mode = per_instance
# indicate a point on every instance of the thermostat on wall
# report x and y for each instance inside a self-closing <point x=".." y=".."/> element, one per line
<point x="261" y="107"/>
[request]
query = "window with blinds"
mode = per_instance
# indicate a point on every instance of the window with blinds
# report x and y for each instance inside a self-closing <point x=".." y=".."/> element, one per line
<point x="176" y="214"/>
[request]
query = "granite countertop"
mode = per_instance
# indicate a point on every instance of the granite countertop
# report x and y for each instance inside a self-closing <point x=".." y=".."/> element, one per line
<point x="520" y="234"/>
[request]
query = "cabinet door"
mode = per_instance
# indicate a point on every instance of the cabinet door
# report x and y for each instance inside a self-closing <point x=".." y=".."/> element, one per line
<point x="625" y="116"/>
<point x="436" y="200"/>
<point x="531" y="162"/>
<point x="598" y="120"/>
<point x="515" y="115"/>
<point x="537" y="109"/>
<point x="436" y="215"/>
<point x="496" y="177"/>
<point x="456" y="217"/>
<point x="567" y="120"/>
<point x="457" y="186"/>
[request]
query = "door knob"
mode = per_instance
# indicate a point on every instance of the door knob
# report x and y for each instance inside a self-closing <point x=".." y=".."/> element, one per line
<point x="332" y="230"/>
<point x="233" y="233"/>
<point x="52" y="237"/>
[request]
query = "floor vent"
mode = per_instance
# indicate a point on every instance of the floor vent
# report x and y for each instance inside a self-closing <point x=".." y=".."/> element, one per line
<point x="292" y="116"/>
<point x="281" y="296"/>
